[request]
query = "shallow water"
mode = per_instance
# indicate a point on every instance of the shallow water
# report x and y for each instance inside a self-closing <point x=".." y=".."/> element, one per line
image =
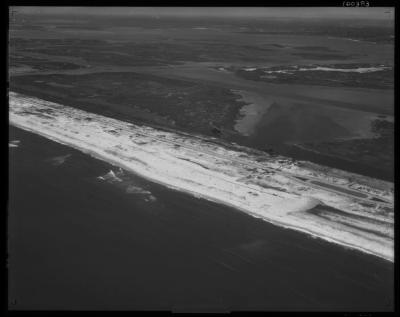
<point x="251" y="113"/>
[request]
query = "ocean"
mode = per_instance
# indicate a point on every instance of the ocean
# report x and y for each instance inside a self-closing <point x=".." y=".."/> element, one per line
<point x="78" y="242"/>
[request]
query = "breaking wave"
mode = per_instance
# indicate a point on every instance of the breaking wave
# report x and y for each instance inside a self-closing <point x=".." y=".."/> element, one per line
<point x="14" y="143"/>
<point x="127" y="183"/>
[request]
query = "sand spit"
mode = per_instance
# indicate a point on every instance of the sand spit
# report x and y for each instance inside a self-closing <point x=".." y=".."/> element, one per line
<point x="274" y="189"/>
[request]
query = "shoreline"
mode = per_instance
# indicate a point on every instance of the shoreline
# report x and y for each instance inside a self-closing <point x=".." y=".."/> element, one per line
<point x="117" y="163"/>
<point x="114" y="160"/>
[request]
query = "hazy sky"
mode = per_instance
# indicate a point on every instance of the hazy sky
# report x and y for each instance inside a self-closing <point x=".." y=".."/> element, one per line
<point x="288" y="12"/>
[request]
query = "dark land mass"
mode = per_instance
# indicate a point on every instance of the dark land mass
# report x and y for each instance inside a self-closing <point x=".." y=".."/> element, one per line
<point x="379" y="31"/>
<point x="196" y="108"/>
<point x="383" y="79"/>
<point x="362" y="30"/>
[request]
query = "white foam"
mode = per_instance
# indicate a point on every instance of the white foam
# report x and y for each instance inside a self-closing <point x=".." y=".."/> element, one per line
<point x="282" y="71"/>
<point x="346" y="70"/>
<point x="250" y="69"/>
<point x="110" y="176"/>
<point x="59" y="160"/>
<point x="132" y="189"/>
<point x="360" y="70"/>
<point x="14" y="143"/>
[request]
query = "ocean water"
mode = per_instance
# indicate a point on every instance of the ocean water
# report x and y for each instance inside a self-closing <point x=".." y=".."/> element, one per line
<point x="79" y="239"/>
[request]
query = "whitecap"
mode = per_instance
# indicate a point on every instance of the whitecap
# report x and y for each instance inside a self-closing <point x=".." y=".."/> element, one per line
<point x="14" y="143"/>
<point x="110" y="177"/>
<point x="59" y="160"/>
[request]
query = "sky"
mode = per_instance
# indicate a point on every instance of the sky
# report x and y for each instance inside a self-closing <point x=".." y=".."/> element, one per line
<point x="283" y="12"/>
